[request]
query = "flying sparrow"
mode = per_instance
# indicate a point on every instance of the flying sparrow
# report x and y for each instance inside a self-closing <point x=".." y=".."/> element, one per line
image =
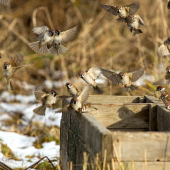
<point x="166" y="79"/>
<point x="72" y="90"/>
<point x="167" y="105"/>
<point x="164" y="49"/>
<point x="45" y="37"/>
<point x="89" y="77"/>
<point x="11" y="67"/>
<point x="133" y="22"/>
<point x="46" y="99"/>
<point x="124" y="78"/>
<point x="5" y="2"/>
<point x="77" y="103"/>
<point x="60" y="38"/>
<point x="121" y="11"/>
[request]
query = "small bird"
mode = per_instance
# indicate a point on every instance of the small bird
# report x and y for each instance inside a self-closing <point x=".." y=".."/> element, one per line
<point x="46" y="99"/>
<point x="60" y="38"/>
<point x="11" y="67"/>
<point x="77" y="103"/>
<point x="168" y="5"/>
<point x="133" y="22"/>
<point x="161" y="89"/>
<point x="166" y="79"/>
<point x="121" y="11"/>
<point x="165" y="97"/>
<point x="5" y="2"/>
<point x="89" y="77"/>
<point x="45" y="37"/>
<point x="167" y="105"/>
<point x="124" y="78"/>
<point x="72" y="90"/>
<point x="164" y="49"/>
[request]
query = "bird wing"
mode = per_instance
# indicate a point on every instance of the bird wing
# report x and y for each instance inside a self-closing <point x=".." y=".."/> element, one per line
<point x="141" y="21"/>
<point x="84" y="94"/>
<point x="66" y="35"/>
<point x="163" y="51"/>
<point x="162" y="82"/>
<point x="109" y="8"/>
<point x="94" y="72"/>
<point x="64" y="109"/>
<point x="136" y="74"/>
<point x="112" y="76"/>
<point x="40" y="30"/>
<point x="132" y="8"/>
<point x="40" y="93"/>
<point x="16" y="60"/>
<point x="5" y="2"/>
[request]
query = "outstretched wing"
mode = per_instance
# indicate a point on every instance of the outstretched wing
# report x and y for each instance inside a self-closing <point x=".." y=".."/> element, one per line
<point x="40" y="30"/>
<point x="16" y="60"/>
<point x="163" y="51"/>
<point x="5" y="2"/>
<point x="132" y="8"/>
<point x="64" y="109"/>
<point x="112" y="76"/>
<point x="40" y="93"/>
<point x="66" y="35"/>
<point x="109" y="8"/>
<point x="141" y="21"/>
<point x="84" y="94"/>
<point x="94" y="72"/>
<point x="136" y="74"/>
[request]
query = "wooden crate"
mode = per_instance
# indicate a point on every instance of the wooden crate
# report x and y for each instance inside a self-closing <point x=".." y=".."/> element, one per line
<point x="127" y="129"/>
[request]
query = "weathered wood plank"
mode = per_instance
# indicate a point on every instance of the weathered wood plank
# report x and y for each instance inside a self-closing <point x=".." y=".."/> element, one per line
<point x="129" y="116"/>
<point x="163" y="118"/>
<point x="134" y="145"/>
<point x="152" y="117"/>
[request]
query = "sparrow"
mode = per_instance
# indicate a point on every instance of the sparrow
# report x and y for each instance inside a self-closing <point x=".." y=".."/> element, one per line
<point x="124" y="78"/>
<point x="166" y="79"/>
<point x="60" y="38"/>
<point x="46" y="99"/>
<point x="71" y="89"/>
<point x="121" y="11"/>
<point x="133" y="22"/>
<point x="77" y="103"/>
<point x="164" y="49"/>
<point x="89" y="77"/>
<point x="161" y="89"/>
<point x="167" y="105"/>
<point x="11" y="67"/>
<point x="45" y="37"/>
<point x="5" y="2"/>
<point x="168" y="5"/>
<point x="165" y="97"/>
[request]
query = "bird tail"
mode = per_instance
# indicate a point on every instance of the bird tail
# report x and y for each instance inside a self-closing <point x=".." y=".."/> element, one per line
<point x="9" y="86"/>
<point x="40" y="110"/>
<point x="130" y="88"/>
<point x="59" y="49"/>
<point x="97" y="90"/>
<point x="137" y="31"/>
<point x="36" y="47"/>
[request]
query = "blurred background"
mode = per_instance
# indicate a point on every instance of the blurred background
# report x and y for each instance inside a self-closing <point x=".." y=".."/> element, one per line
<point x="101" y="41"/>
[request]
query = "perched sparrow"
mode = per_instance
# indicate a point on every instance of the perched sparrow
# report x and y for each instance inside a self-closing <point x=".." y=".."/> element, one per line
<point x="161" y="89"/>
<point x="45" y="98"/>
<point x="89" y="77"/>
<point x="124" y="78"/>
<point x="5" y="2"/>
<point x="168" y="6"/>
<point x="45" y="37"/>
<point x="77" y="103"/>
<point x="165" y="97"/>
<point x="11" y="67"/>
<point x="167" y="105"/>
<point x="166" y="79"/>
<point x="123" y="12"/>
<point x="164" y="49"/>
<point x="72" y="90"/>
<point x="133" y="22"/>
<point x="60" y="38"/>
